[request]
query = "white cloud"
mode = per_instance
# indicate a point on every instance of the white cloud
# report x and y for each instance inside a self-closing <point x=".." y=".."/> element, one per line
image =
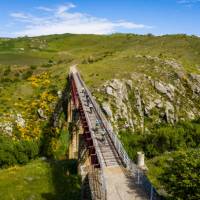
<point x="61" y="20"/>
<point x="188" y="3"/>
<point x="43" y="8"/>
<point x="18" y="15"/>
<point x="63" y="8"/>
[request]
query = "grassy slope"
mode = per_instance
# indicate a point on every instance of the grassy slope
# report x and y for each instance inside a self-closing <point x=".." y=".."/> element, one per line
<point x="39" y="180"/>
<point x="114" y="54"/>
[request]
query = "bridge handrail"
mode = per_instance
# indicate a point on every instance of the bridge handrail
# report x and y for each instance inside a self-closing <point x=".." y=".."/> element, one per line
<point x="130" y="165"/>
<point x="118" y="145"/>
<point x="99" y="156"/>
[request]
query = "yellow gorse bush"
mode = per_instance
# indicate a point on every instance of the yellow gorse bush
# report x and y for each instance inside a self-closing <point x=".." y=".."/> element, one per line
<point x="44" y="100"/>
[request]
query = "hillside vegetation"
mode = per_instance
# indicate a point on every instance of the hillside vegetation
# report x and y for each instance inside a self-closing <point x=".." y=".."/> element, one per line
<point x="40" y="180"/>
<point x="148" y="86"/>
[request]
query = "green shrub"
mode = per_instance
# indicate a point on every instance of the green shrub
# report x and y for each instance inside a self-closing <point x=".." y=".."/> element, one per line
<point x="16" y="152"/>
<point x="31" y="148"/>
<point x="21" y="157"/>
<point x="27" y="74"/>
<point x="33" y="67"/>
<point x="181" y="175"/>
<point x="7" y="158"/>
<point x="165" y="138"/>
<point x="7" y="71"/>
<point x="7" y="149"/>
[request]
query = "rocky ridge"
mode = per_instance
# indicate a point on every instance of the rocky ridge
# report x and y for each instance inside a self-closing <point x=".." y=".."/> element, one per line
<point x="144" y="100"/>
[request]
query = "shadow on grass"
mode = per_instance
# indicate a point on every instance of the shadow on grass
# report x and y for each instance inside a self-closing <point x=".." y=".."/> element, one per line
<point x="65" y="179"/>
<point x="67" y="184"/>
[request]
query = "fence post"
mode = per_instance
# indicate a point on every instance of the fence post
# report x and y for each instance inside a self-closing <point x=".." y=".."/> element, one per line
<point x="151" y="197"/>
<point x="115" y="141"/>
<point x="138" y="176"/>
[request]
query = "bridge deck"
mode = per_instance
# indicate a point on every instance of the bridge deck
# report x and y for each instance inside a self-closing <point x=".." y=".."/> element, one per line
<point x="107" y="150"/>
<point x="120" y="185"/>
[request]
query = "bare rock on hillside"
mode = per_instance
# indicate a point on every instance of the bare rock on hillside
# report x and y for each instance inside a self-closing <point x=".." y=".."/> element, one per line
<point x="109" y="90"/>
<point x="166" y="89"/>
<point x="6" y="128"/>
<point x="169" y="111"/>
<point x="20" y="121"/>
<point x="117" y="90"/>
<point x="41" y="114"/>
<point x="59" y="93"/>
<point x="195" y="84"/>
<point x="173" y="63"/>
<point x="138" y="102"/>
<point x="107" y="109"/>
<point x="158" y="103"/>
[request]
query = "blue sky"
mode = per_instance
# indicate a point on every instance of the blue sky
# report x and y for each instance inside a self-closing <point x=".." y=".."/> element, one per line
<point x="41" y="17"/>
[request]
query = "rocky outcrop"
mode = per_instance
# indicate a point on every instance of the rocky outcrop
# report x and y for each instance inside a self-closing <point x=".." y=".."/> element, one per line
<point x="195" y="84"/>
<point x="143" y="100"/>
<point x="168" y="90"/>
<point x="117" y="91"/>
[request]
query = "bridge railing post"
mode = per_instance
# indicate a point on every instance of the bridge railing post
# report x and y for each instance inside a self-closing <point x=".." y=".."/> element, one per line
<point x="151" y="194"/>
<point x="138" y="176"/>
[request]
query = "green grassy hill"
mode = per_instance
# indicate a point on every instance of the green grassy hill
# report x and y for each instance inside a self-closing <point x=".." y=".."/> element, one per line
<point x="142" y="82"/>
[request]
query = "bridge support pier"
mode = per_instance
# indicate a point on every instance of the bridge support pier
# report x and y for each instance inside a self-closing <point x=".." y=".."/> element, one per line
<point x="77" y="147"/>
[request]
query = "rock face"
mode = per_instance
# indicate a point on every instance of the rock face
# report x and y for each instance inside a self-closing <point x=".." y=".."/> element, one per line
<point x="195" y="84"/>
<point x="138" y="102"/>
<point x="169" y="111"/>
<point x="117" y="92"/>
<point x="168" y="90"/>
<point x="107" y="109"/>
<point x="142" y="101"/>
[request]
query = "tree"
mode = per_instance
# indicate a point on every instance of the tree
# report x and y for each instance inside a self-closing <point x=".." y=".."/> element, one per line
<point x="181" y="177"/>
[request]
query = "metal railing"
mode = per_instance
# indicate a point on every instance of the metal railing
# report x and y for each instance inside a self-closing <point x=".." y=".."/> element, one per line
<point x="117" y="143"/>
<point x="129" y="164"/>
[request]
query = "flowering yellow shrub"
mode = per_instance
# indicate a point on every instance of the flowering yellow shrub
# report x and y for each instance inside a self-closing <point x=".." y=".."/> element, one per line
<point x="45" y="101"/>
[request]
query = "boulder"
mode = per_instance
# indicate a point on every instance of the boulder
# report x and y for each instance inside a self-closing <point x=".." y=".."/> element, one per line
<point x="59" y="93"/>
<point x="158" y="103"/>
<point x="41" y="113"/>
<point x="20" y="121"/>
<point x="109" y="90"/>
